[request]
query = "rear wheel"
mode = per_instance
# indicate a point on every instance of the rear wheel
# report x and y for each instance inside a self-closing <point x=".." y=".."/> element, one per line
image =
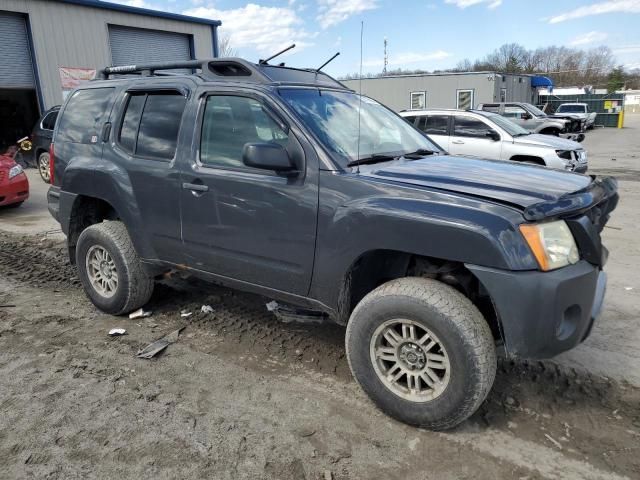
<point x="43" y="167"/>
<point x="110" y="270"/>
<point x="422" y="351"/>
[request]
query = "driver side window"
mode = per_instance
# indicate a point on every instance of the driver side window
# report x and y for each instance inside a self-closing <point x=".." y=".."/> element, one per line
<point x="515" y="112"/>
<point x="470" y="127"/>
<point x="229" y="123"/>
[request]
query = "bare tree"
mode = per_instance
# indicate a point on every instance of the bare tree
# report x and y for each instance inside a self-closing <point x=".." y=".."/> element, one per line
<point x="225" y="48"/>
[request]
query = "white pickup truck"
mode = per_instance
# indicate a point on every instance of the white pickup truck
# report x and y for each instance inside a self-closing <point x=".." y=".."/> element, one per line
<point x="580" y="110"/>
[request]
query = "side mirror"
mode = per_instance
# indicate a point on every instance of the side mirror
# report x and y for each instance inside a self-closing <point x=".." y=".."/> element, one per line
<point x="267" y="156"/>
<point x="526" y="116"/>
<point x="493" y="135"/>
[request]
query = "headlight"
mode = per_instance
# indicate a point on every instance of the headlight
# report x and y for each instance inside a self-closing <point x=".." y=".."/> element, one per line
<point x="17" y="170"/>
<point x="551" y="243"/>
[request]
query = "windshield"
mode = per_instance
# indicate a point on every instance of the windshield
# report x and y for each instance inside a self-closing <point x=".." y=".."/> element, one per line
<point x="535" y="111"/>
<point x="333" y="117"/>
<point x="507" y="125"/>
<point x="571" y="109"/>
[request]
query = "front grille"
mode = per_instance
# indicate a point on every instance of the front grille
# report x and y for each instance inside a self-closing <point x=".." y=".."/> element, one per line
<point x="3" y="174"/>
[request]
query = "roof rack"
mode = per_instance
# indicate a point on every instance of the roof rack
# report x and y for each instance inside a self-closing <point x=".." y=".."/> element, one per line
<point x="228" y="68"/>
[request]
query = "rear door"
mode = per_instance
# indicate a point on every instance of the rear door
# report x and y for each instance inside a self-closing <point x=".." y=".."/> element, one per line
<point x="470" y="138"/>
<point x="144" y="141"/>
<point x="243" y="223"/>
<point x="437" y="127"/>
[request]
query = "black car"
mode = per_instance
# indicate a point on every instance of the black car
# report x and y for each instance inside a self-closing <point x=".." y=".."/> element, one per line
<point x="41" y="137"/>
<point x="283" y="182"/>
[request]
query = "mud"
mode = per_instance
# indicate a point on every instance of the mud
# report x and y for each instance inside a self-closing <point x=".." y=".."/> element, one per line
<point x="241" y="395"/>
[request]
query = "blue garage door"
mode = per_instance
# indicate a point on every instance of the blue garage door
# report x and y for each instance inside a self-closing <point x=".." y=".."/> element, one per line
<point x="136" y="46"/>
<point x="16" y="70"/>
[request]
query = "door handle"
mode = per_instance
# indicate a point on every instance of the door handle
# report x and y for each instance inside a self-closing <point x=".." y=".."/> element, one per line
<point x="195" y="187"/>
<point x="457" y="142"/>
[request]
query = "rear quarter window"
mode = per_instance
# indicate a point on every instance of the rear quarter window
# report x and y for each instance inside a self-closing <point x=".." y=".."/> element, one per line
<point x="82" y="118"/>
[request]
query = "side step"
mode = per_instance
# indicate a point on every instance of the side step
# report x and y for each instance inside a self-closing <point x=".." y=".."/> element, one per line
<point x="291" y="314"/>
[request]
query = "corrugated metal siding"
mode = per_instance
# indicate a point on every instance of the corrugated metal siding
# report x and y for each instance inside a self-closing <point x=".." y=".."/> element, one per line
<point x="16" y="69"/>
<point x="441" y="90"/>
<point x="132" y="46"/>
<point x="395" y="92"/>
<point x="66" y="35"/>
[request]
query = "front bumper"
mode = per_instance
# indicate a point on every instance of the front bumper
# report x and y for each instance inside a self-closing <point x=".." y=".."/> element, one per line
<point x="14" y="190"/>
<point x="543" y="314"/>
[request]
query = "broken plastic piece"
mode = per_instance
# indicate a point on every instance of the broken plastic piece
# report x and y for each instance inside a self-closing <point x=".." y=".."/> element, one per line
<point x="288" y="314"/>
<point x="156" y="347"/>
<point x="207" y="309"/>
<point x="116" y="332"/>
<point x="140" y="313"/>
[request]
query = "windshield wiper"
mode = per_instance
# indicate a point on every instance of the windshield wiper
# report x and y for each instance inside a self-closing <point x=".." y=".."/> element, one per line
<point x="522" y="134"/>
<point x="375" y="158"/>
<point x="421" y="152"/>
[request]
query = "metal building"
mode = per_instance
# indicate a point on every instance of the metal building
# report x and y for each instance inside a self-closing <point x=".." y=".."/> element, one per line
<point x="47" y="45"/>
<point x="446" y="90"/>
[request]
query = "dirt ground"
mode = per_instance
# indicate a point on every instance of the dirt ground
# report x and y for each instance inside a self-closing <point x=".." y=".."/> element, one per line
<point x="242" y="395"/>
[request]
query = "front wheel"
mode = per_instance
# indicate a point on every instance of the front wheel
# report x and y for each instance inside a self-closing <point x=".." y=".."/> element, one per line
<point x="43" y="167"/>
<point x="422" y="351"/>
<point x="110" y="270"/>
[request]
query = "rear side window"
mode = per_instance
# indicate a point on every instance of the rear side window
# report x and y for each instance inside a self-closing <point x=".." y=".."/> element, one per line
<point x="151" y="123"/>
<point x="49" y="121"/>
<point x="82" y="119"/>
<point x="491" y="108"/>
<point x="435" y="124"/>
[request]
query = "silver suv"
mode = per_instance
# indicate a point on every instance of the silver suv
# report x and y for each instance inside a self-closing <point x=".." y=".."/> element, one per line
<point x="489" y="135"/>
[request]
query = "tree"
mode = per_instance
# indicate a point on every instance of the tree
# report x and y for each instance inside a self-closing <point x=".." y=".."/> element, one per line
<point x="615" y="79"/>
<point x="225" y="48"/>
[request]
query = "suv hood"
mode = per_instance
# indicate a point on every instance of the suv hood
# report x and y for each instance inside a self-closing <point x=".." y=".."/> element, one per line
<point x="551" y="141"/>
<point x="513" y="183"/>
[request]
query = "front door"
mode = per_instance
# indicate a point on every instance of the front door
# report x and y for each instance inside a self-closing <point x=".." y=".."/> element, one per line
<point x="471" y="138"/>
<point x="245" y="223"/>
<point x="520" y="116"/>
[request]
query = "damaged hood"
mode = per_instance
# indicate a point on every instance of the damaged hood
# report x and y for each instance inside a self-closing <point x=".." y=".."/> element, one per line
<point x="513" y="183"/>
<point x="551" y="141"/>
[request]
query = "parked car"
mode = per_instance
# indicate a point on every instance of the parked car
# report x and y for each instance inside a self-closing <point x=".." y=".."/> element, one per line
<point x="488" y="135"/>
<point x="41" y="138"/>
<point x="535" y="120"/>
<point x="283" y="182"/>
<point x="579" y="110"/>
<point x="14" y="185"/>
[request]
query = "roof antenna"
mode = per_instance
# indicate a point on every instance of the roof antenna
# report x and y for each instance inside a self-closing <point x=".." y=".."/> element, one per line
<point x="327" y="62"/>
<point x="359" y="94"/>
<point x="266" y="62"/>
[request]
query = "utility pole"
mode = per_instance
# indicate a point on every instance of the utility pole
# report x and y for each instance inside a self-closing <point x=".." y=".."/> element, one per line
<point x="386" y="57"/>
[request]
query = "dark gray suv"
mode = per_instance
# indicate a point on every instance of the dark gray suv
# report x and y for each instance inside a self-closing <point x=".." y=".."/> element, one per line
<point x="283" y="182"/>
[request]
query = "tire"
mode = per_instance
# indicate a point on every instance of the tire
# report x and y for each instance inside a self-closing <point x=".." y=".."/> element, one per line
<point x="132" y="287"/>
<point x="462" y="337"/>
<point x="43" y="167"/>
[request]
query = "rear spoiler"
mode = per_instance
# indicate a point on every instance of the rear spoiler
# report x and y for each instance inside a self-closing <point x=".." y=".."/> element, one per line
<point x="600" y="190"/>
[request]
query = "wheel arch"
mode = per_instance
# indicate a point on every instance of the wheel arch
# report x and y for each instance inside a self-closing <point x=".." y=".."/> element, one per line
<point x="528" y="158"/>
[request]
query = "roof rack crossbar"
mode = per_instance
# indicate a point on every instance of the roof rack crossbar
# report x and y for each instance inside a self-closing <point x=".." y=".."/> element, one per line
<point x="148" y="69"/>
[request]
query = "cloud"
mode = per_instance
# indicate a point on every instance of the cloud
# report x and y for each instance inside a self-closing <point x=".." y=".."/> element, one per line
<point x="626" y="49"/>
<point x="610" y="6"/>
<point x="407" y="58"/>
<point x="588" y="38"/>
<point x="332" y="12"/>
<point x="266" y="29"/>
<point x="470" y="3"/>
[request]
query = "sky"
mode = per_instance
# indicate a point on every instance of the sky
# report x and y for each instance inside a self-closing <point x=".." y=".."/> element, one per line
<point x="429" y="35"/>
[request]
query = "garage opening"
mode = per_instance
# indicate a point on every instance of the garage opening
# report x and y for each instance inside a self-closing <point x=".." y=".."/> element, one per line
<point x="135" y="46"/>
<point x="19" y="110"/>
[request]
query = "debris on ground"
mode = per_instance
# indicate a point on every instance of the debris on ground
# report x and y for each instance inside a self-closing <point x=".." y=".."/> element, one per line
<point x="328" y="475"/>
<point x="116" y="332"/>
<point x="553" y="440"/>
<point x="140" y="313"/>
<point x="7" y="306"/>
<point x="289" y="314"/>
<point x="159" y="345"/>
<point x="206" y="309"/>
<point x="185" y="313"/>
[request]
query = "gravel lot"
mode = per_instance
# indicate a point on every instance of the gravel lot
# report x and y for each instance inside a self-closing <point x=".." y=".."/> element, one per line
<point x="241" y="395"/>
